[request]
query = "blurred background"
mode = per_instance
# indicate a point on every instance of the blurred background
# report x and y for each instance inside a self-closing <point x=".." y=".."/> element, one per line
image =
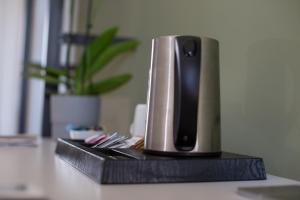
<point x="259" y="65"/>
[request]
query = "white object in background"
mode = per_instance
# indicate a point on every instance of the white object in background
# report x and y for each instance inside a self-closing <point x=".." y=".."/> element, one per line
<point x="38" y="54"/>
<point x="138" y="126"/>
<point x="130" y="142"/>
<point x="82" y="135"/>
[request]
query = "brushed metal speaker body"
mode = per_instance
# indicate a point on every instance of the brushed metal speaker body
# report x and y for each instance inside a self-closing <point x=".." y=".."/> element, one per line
<point x="161" y="99"/>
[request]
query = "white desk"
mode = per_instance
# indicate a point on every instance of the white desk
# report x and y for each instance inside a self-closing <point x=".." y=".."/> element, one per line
<point x="58" y="180"/>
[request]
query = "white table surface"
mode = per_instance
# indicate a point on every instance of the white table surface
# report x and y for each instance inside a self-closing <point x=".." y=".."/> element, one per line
<point x="40" y="167"/>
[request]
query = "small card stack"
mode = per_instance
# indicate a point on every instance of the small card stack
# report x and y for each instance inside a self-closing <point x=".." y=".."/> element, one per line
<point x="114" y="140"/>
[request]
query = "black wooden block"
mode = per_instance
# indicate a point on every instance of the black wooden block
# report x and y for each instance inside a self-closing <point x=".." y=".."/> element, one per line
<point x="126" y="166"/>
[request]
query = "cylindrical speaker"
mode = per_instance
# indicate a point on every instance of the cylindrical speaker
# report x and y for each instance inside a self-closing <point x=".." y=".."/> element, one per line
<point x="183" y="102"/>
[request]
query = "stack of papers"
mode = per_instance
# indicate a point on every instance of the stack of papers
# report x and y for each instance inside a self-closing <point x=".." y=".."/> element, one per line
<point x="18" y="140"/>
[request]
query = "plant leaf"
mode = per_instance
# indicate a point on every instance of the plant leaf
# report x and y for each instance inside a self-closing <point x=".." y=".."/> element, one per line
<point x="110" y="53"/>
<point x="51" y="70"/>
<point x="98" y="45"/>
<point x="47" y="78"/>
<point x="95" y="48"/>
<point x="108" y="84"/>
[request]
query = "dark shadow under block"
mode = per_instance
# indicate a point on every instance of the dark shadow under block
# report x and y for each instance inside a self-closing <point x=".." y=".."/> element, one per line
<point x="126" y="166"/>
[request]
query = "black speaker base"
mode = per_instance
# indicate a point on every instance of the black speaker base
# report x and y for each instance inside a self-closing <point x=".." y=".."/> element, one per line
<point x="127" y="166"/>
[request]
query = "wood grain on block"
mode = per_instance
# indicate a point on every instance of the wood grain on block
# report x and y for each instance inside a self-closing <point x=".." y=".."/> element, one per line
<point x="126" y="166"/>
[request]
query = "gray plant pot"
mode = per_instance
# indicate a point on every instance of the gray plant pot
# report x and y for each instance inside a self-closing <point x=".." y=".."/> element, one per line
<point x="76" y="110"/>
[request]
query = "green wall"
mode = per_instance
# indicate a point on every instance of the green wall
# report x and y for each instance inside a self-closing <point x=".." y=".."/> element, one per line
<point x="260" y="65"/>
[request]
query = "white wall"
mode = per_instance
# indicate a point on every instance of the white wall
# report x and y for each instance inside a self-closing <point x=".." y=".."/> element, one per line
<point x="12" y="26"/>
<point x="259" y="49"/>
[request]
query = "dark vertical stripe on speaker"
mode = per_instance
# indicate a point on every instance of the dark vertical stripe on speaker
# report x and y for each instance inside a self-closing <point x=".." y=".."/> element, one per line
<point x="186" y="91"/>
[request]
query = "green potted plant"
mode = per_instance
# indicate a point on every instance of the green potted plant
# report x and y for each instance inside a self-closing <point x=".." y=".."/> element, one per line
<point x="80" y="104"/>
